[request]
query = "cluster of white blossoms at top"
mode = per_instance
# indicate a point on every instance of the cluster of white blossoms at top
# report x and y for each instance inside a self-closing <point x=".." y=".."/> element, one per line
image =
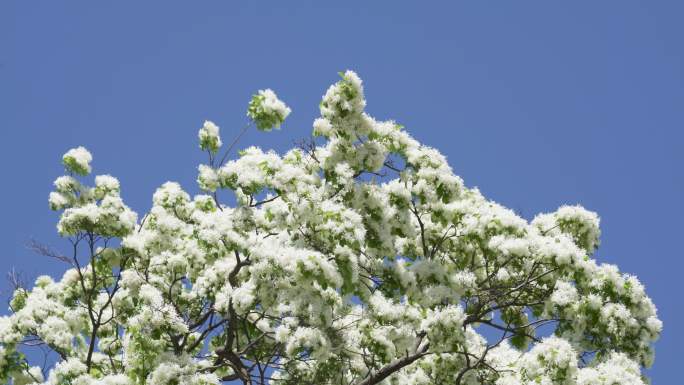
<point x="77" y="160"/>
<point x="99" y="209"/>
<point x="267" y="111"/>
<point x="209" y="137"/>
<point x="360" y="258"/>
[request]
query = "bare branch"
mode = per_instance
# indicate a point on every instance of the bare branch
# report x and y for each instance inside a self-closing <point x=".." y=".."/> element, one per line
<point x="45" y="250"/>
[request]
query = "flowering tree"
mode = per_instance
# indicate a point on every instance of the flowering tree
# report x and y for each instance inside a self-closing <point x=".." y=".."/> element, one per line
<point x="362" y="260"/>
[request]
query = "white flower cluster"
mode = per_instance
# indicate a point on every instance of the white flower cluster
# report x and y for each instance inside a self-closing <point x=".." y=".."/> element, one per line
<point x="110" y="218"/>
<point x="77" y="160"/>
<point x="575" y="221"/>
<point x="90" y="210"/>
<point x="342" y="99"/>
<point x="267" y="111"/>
<point x="360" y="260"/>
<point x="209" y="137"/>
<point x="554" y="361"/>
<point x="617" y="368"/>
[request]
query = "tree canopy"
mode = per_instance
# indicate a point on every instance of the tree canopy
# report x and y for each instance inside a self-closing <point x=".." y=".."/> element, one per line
<point x="355" y="258"/>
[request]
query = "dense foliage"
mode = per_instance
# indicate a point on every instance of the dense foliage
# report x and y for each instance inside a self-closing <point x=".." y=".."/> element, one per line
<point x="359" y="260"/>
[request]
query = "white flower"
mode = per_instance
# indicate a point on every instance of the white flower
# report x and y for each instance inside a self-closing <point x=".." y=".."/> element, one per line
<point x="344" y="98"/>
<point x="106" y="185"/>
<point x="553" y="360"/>
<point x="322" y="127"/>
<point x="77" y="160"/>
<point x="207" y="179"/>
<point x="617" y="369"/>
<point x="209" y="137"/>
<point x="564" y="294"/>
<point x="267" y="111"/>
<point x="58" y="201"/>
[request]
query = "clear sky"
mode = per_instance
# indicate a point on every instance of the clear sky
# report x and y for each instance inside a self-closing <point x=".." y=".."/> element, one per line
<point x="538" y="103"/>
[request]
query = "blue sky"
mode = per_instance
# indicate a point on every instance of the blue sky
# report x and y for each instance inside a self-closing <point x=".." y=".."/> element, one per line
<point x="538" y="103"/>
